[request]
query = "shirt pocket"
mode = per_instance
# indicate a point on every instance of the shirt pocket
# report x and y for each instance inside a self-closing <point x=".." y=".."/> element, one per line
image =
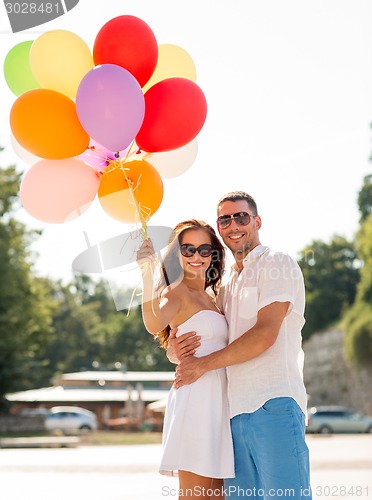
<point x="248" y="302"/>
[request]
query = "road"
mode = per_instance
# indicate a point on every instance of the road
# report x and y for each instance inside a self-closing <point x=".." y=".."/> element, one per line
<point x="341" y="468"/>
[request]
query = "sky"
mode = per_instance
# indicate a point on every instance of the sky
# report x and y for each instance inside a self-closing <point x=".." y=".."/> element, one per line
<point x="288" y="86"/>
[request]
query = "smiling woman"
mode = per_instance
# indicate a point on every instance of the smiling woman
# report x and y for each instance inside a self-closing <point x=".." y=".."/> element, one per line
<point x="184" y="297"/>
<point x="193" y="263"/>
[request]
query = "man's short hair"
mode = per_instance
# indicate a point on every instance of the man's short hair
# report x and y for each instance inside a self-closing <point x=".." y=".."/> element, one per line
<point x="237" y="196"/>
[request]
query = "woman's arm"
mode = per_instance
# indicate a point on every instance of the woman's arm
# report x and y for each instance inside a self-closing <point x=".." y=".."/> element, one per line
<point x="156" y="315"/>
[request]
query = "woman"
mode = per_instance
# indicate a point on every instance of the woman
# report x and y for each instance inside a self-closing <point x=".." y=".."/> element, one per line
<point x="197" y="444"/>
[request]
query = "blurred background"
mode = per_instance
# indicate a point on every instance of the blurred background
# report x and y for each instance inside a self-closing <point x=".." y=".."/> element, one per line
<point x="288" y="88"/>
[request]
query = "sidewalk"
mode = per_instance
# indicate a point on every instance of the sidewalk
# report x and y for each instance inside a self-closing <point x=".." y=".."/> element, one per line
<point x="338" y="464"/>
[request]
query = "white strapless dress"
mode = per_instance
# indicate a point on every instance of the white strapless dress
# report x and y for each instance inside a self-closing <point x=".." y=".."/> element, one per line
<point x="196" y="433"/>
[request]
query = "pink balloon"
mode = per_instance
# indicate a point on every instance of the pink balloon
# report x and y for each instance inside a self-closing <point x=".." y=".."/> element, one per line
<point x="58" y="191"/>
<point x="110" y="106"/>
<point x="99" y="157"/>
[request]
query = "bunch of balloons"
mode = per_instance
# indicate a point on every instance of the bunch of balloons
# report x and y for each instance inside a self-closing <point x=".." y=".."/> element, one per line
<point x="113" y="121"/>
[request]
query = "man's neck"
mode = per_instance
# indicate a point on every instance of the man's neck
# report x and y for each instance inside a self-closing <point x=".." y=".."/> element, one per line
<point x="240" y="256"/>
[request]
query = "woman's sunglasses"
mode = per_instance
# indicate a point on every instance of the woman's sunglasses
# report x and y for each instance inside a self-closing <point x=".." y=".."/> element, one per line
<point x="241" y="219"/>
<point x="188" y="250"/>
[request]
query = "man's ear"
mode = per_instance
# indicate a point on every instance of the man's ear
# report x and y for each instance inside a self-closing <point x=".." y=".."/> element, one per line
<point x="258" y="222"/>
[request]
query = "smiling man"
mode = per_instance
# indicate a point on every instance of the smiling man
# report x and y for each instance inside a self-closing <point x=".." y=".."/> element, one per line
<point x="263" y="301"/>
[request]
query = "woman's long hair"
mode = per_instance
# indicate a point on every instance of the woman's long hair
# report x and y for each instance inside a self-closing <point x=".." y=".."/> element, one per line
<point x="171" y="269"/>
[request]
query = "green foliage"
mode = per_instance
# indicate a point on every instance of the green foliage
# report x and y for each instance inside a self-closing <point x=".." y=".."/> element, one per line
<point x="88" y="331"/>
<point x="365" y="198"/>
<point x="358" y="334"/>
<point x="358" y="321"/>
<point x="9" y="186"/>
<point x="24" y="306"/>
<point x="331" y="275"/>
<point x="47" y="327"/>
<point x="364" y="248"/>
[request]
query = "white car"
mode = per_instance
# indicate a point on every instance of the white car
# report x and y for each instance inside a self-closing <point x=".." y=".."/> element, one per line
<point x="329" y="419"/>
<point x="70" y="420"/>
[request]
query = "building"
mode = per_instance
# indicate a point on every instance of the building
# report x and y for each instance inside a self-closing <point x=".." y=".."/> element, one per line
<point x="117" y="398"/>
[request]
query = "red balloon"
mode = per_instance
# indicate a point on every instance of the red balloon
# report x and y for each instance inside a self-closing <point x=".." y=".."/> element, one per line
<point x="175" y="112"/>
<point x="127" y="41"/>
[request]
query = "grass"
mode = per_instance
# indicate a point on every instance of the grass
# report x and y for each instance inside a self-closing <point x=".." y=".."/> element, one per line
<point x="114" y="438"/>
<point x="103" y="438"/>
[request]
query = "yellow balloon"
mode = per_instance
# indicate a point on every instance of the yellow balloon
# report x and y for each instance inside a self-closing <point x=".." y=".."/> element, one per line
<point x="173" y="61"/>
<point x="59" y="59"/>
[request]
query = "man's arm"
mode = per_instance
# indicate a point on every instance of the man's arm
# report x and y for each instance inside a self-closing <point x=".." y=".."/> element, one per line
<point x="182" y="346"/>
<point x="251" y="344"/>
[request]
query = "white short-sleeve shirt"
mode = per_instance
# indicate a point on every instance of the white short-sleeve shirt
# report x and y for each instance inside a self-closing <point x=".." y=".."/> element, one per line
<point x="267" y="277"/>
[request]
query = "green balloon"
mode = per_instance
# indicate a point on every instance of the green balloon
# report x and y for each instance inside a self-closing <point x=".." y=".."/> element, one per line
<point x="17" y="70"/>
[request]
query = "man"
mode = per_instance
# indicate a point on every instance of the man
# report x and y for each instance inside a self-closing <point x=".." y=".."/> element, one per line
<point x="263" y="301"/>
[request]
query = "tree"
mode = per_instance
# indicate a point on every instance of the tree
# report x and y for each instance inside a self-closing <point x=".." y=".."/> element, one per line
<point x="25" y="314"/>
<point x="358" y="322"/>
<point x="331" y="275"/>
<point x="365" y="198"/>
<point x="88" y="331"/>
<point x="139" y="350"/>
<point x="364" y="249"/>
<point x="358" y="334"/>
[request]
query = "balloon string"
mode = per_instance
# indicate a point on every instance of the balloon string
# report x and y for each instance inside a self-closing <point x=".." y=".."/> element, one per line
<point x="144" y="267"/>
<point x="129" y="152"/>
<point x="120" y="163"/>
<point x="142" y="219"/>
<point x="131" y="299"/>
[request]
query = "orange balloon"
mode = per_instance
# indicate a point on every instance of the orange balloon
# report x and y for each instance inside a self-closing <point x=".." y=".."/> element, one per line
<point x="45" y="123"/>
<point x="116" y="197"/>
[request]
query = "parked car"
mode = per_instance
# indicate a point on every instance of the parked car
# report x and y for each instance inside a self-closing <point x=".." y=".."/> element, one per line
<point x="70" y="420"/>
<point x="329" y="419"/>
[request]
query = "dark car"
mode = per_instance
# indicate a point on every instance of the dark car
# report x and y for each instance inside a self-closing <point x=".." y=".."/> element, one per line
<point x="329" y="419"/>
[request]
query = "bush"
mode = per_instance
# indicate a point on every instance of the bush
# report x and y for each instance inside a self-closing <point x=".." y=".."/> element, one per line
<point x="358" y="335"/>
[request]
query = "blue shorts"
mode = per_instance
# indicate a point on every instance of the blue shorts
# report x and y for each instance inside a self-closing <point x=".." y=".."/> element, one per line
<point x="271" y="456"/>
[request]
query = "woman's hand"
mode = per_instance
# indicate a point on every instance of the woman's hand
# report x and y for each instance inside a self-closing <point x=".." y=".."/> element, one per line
<point x="145" y="252"/>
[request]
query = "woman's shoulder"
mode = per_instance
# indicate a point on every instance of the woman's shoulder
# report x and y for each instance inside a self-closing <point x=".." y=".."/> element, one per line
<point x="173" y="290"/>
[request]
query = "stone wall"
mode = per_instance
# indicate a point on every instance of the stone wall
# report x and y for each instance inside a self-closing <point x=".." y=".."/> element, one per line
<point x="329" y="379"/>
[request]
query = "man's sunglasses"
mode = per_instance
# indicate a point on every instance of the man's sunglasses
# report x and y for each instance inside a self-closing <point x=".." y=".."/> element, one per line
<point x="188" y="250"/>
<point x="241" y="219"/>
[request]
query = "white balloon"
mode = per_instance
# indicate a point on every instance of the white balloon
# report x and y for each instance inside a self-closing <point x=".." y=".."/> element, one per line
<point x="22" y="153"/>
<point x="173" y="163"/>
